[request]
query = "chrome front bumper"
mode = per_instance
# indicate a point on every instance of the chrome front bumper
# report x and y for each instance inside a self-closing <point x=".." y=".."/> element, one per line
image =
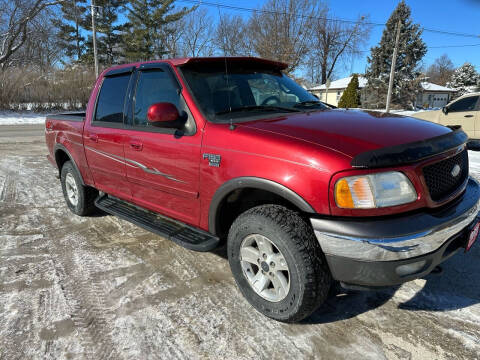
<point x="397" y="238"/>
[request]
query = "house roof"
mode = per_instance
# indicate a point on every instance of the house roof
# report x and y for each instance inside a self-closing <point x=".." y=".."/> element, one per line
<point x="341" y="84"/>
<point x="428" y="86"/>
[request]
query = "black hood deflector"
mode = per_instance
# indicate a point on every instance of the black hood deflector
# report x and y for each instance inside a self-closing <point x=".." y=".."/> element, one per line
<point x="411" y="152"/>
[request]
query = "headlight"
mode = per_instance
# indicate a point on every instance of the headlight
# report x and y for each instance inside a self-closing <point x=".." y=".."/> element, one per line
<point x="374" y="190"/>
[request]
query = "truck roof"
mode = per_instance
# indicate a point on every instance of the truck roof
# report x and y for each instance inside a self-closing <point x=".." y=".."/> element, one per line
<point x="210" y="60"/>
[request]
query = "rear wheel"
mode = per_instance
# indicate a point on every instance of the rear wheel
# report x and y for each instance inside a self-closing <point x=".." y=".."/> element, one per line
<point x="277" y="263"/>
<point x="79" y="198"/>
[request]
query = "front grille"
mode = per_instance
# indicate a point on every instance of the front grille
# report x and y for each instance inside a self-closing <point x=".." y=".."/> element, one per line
<point x="440" y="178"/>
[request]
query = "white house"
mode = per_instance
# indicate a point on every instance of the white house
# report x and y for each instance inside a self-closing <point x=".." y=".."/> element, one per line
<point x="433" y="95"/>
<point x="336" y="89"/>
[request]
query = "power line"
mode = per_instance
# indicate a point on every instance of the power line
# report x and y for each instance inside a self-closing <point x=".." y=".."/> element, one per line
<point x="452" y="46"/>
<point x="240" y="8"/>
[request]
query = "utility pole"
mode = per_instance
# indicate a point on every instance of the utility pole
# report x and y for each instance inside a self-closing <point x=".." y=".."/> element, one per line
<point x="327" y="86"/>
<point x="392" y="69"/>
<point x="94" y="37"/>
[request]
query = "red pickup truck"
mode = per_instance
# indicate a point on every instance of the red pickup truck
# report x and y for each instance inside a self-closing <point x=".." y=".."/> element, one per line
<point x="205" y="151"/>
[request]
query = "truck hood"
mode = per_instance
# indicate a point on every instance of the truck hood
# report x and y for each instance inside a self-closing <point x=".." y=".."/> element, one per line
<point x="350" y="132"/>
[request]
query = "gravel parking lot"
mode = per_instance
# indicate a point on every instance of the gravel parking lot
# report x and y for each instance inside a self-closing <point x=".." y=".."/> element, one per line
<point x="100" y="287"/>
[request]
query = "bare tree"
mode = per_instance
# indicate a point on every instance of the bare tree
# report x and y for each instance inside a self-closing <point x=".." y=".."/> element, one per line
<point x="281" y="30"/>
<point x="332" y="42"/>
<point x="441" y="70"/>
<point x="197" y="34"/>
<point x="230" y="36"/>
<point x="41" y="48"/>
<point x="16" y="18"/>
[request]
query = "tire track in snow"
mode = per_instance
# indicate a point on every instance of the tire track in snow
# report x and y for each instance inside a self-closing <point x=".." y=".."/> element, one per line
<point x="90" y="314"/>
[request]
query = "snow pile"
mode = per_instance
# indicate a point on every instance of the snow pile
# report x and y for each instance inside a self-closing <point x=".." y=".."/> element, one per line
<point x="398" y="112"/>
<point x="15" y="118"/>
<point x="474" y="158"/>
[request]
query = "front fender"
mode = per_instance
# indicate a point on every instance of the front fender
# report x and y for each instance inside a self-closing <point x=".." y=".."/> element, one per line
<point x="257" y="183"/>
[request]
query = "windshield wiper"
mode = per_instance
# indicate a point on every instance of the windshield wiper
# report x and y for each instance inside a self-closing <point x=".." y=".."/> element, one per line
<point x="257" y="108"/>
<point x="308" y="103"/>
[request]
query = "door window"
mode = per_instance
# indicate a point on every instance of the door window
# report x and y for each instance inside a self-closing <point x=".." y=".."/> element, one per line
<point x="153" y="86"/>
<point x="465" y="104"/>
<point x="112" y="99"/>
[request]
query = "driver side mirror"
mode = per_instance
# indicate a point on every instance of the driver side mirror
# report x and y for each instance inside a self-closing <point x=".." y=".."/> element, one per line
<point x="473" y="145"/>
<point x="445" y="110"/>
<point x="165" y="115"/>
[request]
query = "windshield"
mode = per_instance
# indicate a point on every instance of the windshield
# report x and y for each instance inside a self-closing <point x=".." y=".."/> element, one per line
<point x="244" y="93"/>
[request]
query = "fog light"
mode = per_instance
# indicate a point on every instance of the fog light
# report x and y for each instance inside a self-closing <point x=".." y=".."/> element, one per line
<point x="409" y="269"/>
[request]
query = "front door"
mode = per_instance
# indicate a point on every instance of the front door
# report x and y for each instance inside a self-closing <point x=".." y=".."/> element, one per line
<point x="104" y="137"/>
<point x="462" y="112"/>
<point x="164" y="171"/>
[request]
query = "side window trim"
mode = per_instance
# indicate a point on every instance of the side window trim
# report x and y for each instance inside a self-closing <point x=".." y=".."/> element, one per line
<point x="106" y="124"/>
<point x="129" y="101"/>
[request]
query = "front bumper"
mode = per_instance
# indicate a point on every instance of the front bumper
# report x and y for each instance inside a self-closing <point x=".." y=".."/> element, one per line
<point x="392" y="250"/>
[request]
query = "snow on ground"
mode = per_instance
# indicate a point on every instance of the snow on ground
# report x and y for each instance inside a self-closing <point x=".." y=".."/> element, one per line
<point x="19" y="118"/>
<point x="474" y="163"/>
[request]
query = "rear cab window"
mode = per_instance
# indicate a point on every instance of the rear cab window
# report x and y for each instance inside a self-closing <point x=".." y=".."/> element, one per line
<point x="111" y="101"/>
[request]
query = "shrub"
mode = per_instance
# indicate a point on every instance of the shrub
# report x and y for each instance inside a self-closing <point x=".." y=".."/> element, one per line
<point x="351" y="96"/>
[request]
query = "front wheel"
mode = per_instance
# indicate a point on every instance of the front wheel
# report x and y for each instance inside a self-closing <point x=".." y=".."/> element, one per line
<point x="277" y="263"/>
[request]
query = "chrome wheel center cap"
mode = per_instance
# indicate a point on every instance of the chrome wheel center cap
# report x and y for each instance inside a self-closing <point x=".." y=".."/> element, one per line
<point x="265" y="266"/>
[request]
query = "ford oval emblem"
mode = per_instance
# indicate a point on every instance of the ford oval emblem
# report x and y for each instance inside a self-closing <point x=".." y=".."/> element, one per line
<point x="456" y="170"/>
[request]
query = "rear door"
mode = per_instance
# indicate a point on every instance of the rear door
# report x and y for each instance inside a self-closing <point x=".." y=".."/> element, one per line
<point x="165" y="172"/>
<point x="462" y="112"/>
<point x="104" y="136"/>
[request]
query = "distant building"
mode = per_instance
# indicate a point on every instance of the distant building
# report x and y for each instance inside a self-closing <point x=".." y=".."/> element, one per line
<point x="433" y="95"/>
<point x="336" y="89"/>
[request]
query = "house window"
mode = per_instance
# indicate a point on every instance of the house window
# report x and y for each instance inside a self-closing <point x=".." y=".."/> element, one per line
<point x="339" y="95"/>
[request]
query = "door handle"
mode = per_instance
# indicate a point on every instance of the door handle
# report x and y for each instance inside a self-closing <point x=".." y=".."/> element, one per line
<point x="136" y="146"/>
<point x="469" y="115"/>
<point x="93" y="137"/>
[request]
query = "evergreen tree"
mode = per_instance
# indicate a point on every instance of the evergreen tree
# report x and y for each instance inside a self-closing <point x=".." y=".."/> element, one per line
<point x="109" y="32"/>
<point x="410" y="52"/>
<point x="149" y="24"/>
<point x="69" y="26"/>
<point x="465" y="79"/>
<point x="351" y="96"/>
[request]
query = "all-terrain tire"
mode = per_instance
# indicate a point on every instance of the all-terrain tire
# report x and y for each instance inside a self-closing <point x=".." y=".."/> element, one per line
<point x="309" y="275"/>
<point x="86" y="195"/>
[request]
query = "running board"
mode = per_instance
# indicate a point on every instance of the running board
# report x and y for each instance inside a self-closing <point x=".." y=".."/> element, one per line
<point x="182" y="234"/>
